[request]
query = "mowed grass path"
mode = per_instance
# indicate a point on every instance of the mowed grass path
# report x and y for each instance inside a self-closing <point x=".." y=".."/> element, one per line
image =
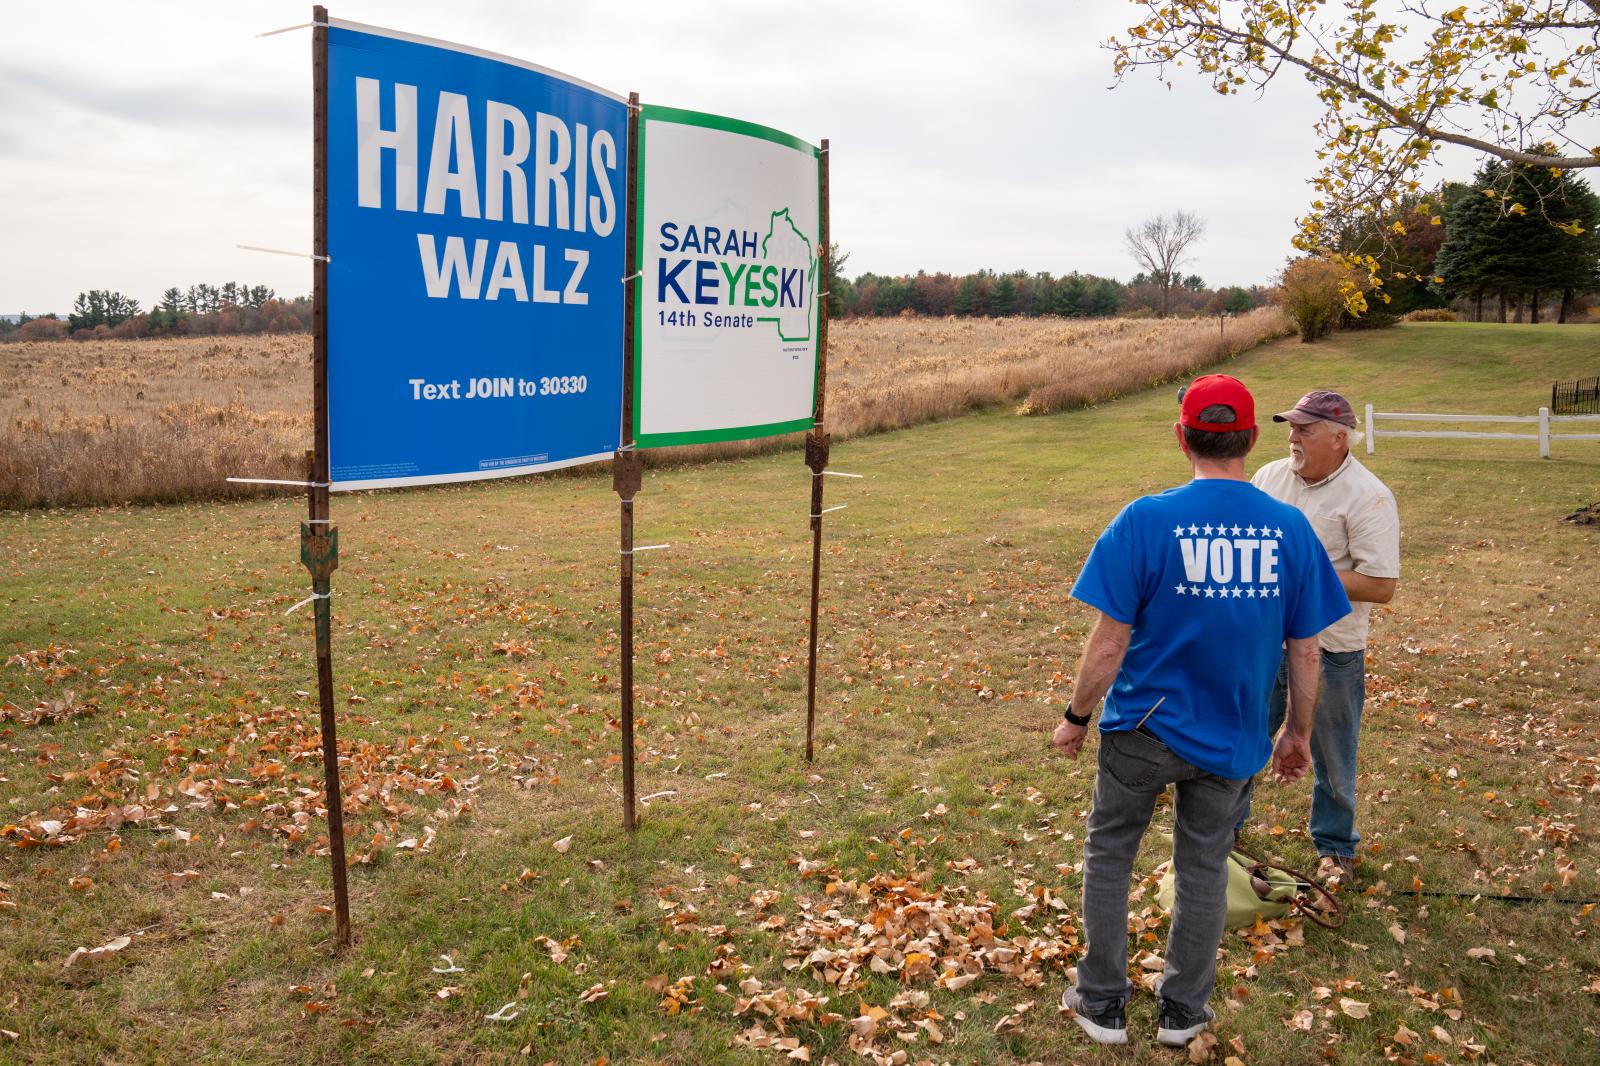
<point x="475" y="659"/>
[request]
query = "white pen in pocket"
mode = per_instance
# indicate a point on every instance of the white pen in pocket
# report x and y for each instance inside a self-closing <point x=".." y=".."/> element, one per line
<point x="1148" y="713"/>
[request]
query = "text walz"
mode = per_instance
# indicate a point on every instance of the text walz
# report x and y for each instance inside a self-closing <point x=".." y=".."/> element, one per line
<point x="570" y="188"/>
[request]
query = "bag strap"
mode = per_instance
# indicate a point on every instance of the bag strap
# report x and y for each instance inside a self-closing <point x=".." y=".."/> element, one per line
<point x="1312" y="913"/>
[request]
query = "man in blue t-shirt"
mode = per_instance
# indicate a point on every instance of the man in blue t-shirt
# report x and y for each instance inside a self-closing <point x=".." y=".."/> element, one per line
<point x="1198" y="589"/>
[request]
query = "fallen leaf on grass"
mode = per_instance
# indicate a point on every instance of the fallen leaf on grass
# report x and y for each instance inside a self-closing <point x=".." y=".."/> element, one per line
<point x="1397" y="932"/>
<point x="447" y="991"/>
<point x="181" y="876"/>
<point x="1201" y="1047"/>
<point x="1301" y="1020"/>
<point x="1404" y="1036"/>
<point x="81" y="884"/>
<point x="1439" y="1034"/>
<point x="107" y="948"/>
<point x="595" y="993"/>
<point x="1354" y="1007"/>
<point x="563" y="844"/>
<point x="1480" y="953"/>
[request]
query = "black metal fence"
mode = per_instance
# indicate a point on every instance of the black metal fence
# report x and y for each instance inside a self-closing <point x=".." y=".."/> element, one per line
<point x="1581" y="397"/>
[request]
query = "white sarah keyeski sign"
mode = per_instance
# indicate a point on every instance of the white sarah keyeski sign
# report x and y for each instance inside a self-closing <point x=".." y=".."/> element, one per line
<point x="726" y="334"/>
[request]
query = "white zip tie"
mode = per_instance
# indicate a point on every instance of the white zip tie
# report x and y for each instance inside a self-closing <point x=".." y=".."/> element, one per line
<point x="290" y="29"/>
<point x="308" y="599"/>
<point x="317" y="521"/>
<point x="827" y="292"/>
<point x="838" y="473"/>
<point x="276" y="481"/>
<point x="630" y="277"/>
<point x="644" y="548"/>
<point x="825" y="510"/>
<point x="280" y="251"/>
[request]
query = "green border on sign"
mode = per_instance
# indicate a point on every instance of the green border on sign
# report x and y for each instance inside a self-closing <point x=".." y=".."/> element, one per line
<point x="655" y="113"/>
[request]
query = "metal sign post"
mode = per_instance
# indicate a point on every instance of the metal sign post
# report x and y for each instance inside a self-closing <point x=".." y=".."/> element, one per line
<point x="319" y="538"/>
<point x="817" y="441"/>
<point x="627" y="471"/>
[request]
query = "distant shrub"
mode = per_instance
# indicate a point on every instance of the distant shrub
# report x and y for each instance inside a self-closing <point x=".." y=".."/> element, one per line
<point x="1312" y="292"/>
<point x="1432" y="314"/>
<point x="39" y="329"/>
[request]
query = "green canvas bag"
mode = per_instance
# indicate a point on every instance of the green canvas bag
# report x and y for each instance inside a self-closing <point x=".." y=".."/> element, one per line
<point x="1259" y="889"/>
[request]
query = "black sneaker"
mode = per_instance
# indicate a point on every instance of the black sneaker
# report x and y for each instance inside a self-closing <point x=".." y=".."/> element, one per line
<point x="1180" y="1025"/>
<point x="1110" y="1026"/>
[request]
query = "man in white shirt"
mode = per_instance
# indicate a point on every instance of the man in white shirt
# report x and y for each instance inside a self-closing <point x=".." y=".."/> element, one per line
<point x="1355" y="517"/>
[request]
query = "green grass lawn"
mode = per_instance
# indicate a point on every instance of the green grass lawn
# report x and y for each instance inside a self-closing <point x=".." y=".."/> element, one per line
<point x="475" y="655"/>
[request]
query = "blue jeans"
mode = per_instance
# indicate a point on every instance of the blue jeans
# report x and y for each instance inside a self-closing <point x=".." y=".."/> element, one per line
<point x="1333" y="747"/>
<point x="1134" y="769"/>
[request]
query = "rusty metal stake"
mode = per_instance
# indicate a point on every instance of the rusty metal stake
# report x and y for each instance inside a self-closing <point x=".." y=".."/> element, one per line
<point x="319" y="551"/>
<point x="319" y="540"/>
<point x="817" y="459"/>
<point x="817" y="442"/>
<point x="627" y="473"/>
<point x="627" y="470"/>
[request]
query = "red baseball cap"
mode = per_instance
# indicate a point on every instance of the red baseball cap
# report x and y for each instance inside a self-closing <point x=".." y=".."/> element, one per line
<point x="1215" y="389"/>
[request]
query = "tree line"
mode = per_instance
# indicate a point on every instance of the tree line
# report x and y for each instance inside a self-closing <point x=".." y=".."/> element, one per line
<point x="232" y="307"/>
<point x="988" y="294"/>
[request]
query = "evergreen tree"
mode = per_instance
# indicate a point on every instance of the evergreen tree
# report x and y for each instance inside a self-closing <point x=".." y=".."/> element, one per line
<point x="1534" y="239"/>
<point x="967" y="296"/>
<point x="1003" y="296"/>
<point x="101" y="307"/>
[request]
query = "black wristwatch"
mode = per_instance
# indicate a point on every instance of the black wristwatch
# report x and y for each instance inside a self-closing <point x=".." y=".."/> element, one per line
<point x="1079" y="720"/>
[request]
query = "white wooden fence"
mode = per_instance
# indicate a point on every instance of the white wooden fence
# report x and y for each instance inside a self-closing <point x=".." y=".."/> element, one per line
<point x="1543" y="419"/>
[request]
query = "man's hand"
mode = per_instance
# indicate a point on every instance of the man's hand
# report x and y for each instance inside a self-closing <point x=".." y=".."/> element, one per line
<point x="1069" y="738"/>
<point x="1291" y="757"/>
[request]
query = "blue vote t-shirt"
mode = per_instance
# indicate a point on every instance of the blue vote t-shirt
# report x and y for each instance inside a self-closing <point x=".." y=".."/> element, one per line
<point x="1213" y="576"/>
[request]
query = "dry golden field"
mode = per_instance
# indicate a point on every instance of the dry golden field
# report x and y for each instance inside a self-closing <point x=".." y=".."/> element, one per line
<point x="113" y="421"/>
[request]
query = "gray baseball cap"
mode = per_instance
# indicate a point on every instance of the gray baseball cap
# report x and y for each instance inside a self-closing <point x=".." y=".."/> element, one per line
<point x="1319" y="406"/>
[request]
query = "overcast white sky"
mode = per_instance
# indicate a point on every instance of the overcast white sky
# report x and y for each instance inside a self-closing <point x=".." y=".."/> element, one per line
<point x="140" y="142"/>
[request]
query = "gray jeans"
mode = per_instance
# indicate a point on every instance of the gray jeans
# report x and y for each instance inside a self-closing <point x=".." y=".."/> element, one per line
<point x="1134" y="769"/>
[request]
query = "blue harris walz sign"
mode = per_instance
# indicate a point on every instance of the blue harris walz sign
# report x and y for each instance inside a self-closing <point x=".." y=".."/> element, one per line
<point x="475" y="236"/>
